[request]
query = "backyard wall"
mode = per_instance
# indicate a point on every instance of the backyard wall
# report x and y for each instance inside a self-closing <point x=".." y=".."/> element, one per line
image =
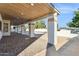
<point x="66" y="33"/>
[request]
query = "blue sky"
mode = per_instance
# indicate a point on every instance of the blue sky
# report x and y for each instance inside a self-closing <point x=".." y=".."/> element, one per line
<point x="66" y="12"/>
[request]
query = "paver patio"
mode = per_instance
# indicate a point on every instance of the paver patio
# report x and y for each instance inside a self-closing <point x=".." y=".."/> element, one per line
<point x="14" y="44"/>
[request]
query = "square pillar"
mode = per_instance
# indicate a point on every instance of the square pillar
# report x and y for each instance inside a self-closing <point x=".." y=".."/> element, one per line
<point x="31" y="29"/>
<point x="23" y="29"/>
<point x="19" y="29"/>
<point x="52" y="29"/>
<point x="1" y="25"/>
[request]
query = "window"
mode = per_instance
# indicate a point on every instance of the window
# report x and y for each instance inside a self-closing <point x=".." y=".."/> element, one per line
<point x="5" y="27"/>
<point x="0" y="25"/>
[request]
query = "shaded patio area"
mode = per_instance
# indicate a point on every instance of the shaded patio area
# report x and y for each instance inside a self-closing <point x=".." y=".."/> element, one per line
<point x="17" y="15"/>
<point x="14" y="44"/>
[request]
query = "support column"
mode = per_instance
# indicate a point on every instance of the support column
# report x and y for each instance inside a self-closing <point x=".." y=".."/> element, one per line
<point x="31" y="29"/>
<point x="17" y="28"/>
<point x="52" y="29"/>
<point x="23" y="29"/>
<point x="1" y="25"/>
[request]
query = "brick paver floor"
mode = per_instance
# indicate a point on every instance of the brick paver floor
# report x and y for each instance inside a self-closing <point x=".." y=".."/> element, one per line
<point x="14" y="44"/>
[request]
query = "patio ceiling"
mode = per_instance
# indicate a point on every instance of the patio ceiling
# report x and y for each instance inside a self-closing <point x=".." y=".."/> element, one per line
<point x="23" y="12"/>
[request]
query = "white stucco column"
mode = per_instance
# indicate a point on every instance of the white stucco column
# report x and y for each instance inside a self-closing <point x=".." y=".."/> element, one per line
<point x="1" y="30"/>
<point x="31" y="29"/>
<point x="52" y="29"/>
<point x="19" y="29"/>
<point x="23" y="29"/>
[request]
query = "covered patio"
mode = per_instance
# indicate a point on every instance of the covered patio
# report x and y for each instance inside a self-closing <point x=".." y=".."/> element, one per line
<point x="16" y="15"/>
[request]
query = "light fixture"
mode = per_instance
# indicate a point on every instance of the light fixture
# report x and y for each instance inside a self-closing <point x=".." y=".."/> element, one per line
<point x="21" y="13"/>
<point x="32" y="4"/>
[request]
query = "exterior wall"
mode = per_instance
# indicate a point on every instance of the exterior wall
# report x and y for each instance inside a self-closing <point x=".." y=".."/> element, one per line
<point x="66" y="33"/>
<point x="40" y="31"/>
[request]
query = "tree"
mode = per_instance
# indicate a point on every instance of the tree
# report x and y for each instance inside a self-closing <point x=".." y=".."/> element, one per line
<point x="40" y="24"/>
<point x="75" y="20"/>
